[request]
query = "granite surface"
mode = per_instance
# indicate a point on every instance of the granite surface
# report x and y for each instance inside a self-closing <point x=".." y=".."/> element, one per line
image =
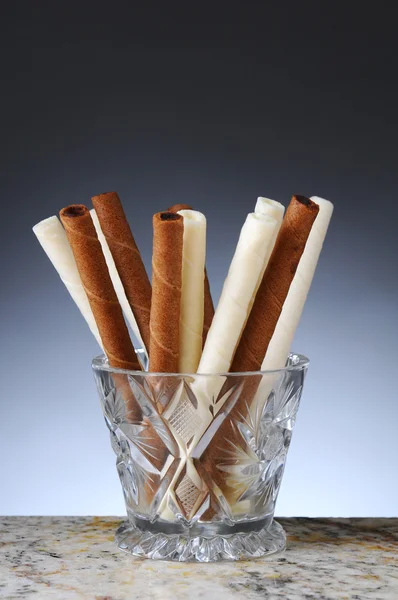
<point x="67" y="557"/>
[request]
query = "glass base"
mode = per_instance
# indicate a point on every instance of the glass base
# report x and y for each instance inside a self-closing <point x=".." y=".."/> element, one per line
<point x="180" y="547"/>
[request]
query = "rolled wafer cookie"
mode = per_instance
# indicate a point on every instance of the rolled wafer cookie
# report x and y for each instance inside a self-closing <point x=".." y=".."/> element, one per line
<point x="274" y="209"/>
<point x="271" y="208"/>
<point x="168" y="231"/>
<point x="97" y="283"/>
<point x="274" y="287"/>
<point x="127" y="258"/>
<point x="54" y="242"/>
<point x="244" y="275"/>
<point x="255" y="388"/>
<point x="251" y="256"/>
<point x="208" y="308"/>
<point x="192" y="292"/>
<point x="117" y="283"/>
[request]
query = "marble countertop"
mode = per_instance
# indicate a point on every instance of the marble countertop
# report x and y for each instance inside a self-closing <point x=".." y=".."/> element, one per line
<point x="75" y="557"/>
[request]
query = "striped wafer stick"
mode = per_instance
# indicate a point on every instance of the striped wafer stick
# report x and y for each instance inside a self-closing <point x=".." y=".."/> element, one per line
<point x="127" y="258"/>
<point x="168" y="230"/>
<point x="97" y="283"/>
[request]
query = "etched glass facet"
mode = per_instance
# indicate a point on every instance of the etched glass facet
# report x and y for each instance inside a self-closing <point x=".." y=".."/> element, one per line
<point x="200" y="458"/>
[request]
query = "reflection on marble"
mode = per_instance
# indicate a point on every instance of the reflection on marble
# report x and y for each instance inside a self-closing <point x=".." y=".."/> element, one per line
<point x="75" y="557"/>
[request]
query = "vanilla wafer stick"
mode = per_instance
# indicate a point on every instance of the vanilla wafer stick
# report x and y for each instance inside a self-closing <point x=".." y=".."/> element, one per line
<point x="208" y="308"/>
<point x="54" y="242"/>
<point x="237" y="297"/>
<point x="271" y="208"/>
<point x="192" y="291"/>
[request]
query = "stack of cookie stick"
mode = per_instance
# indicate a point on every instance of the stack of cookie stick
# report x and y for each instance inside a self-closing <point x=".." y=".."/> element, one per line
<point x="255" y="288"/>
<point x="237" y="336"/>
<point x="255" y="244"/>
<point x="174" y="319"/>
<point x="77" y="254"/>
<point x="97" y="283"/>
<point x="107" y="312"/>
<point x="107" y="250"/>
<point x="285" y="285"/>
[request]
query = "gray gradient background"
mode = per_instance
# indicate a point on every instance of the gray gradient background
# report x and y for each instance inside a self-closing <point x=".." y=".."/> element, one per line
<point x="212" y="108"/>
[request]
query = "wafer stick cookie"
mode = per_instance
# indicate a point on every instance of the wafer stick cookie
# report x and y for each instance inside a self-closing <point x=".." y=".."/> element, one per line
<point x="54" y="242"/>
<point x="208" y="307"/>
<point x="168" y="231"/>
<point x="192" y="293"/>
<point x="127" y="258"/>
<point x="97" y="283"/>
<point x="252" y="253"/>
<point x="117" y="284"/>
<point x="274" y="287"/>
<point x="271" y="208"/>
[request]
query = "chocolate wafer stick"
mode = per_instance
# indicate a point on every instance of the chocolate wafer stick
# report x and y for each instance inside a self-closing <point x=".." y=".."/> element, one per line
<point x="208" y="308"/>
<point x="127" y="258"/>
<point x="168" y="231"/>
<point x="274" y="287"/>
<point x="97" y="283"/>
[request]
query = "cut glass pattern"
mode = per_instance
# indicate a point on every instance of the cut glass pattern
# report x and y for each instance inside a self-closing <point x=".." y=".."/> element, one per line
<point x="184" y="419"/>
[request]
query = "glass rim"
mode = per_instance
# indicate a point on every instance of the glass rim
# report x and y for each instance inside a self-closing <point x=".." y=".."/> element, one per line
<point x="99" y="363"/>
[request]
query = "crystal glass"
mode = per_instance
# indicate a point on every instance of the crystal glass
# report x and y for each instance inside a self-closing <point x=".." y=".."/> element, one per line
<point x="200" y="458"/>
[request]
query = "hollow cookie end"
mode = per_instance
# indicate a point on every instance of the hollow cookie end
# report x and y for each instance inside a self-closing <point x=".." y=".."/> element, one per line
<point x="74" y="210"/>
<point x="303" y="199"/>
<point x="169" y="216"/>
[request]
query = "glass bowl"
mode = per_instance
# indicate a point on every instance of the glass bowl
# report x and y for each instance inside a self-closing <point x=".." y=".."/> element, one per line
<point x="200" y="458"/>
